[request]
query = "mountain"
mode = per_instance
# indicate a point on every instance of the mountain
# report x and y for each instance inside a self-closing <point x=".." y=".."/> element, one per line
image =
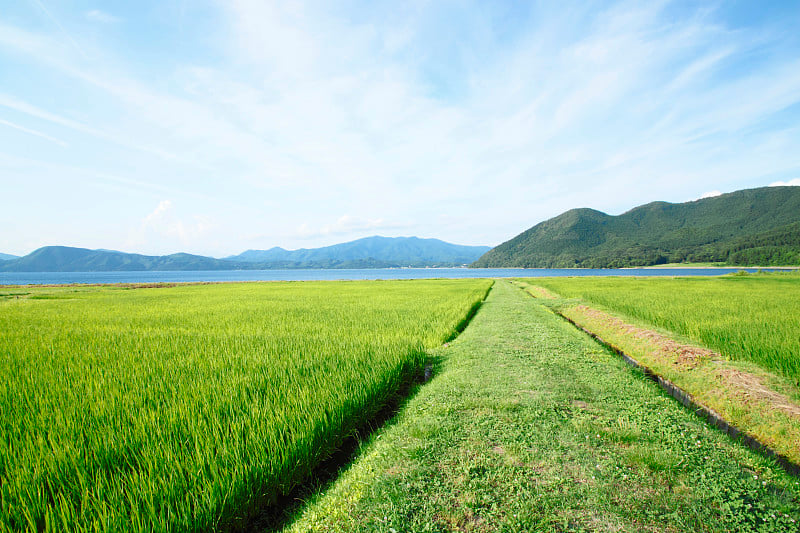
<point x="67" y="259"/>
<point x="749" y="227"/>
<point x="372" y="252"/>
<point x="7" y="257"/>
<point x="382" y="251"/>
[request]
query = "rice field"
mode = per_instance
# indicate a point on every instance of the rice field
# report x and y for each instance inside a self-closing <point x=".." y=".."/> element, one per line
<point x="752" y="317"/>
<point x="189" y="408"/>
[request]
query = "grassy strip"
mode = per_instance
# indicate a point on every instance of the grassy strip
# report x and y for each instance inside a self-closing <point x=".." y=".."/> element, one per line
<point x="760" y="403"/>
<point x="787" y="427"/>
<point x="189" y="408"/>
<point x="743" y="395"/>
<point x="750" y="317"/>
<point x="531" y="426"/>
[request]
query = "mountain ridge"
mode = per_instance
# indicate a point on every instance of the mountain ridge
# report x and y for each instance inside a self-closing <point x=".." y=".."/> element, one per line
<point x="378" y="248"/>
<point x="348" y="255"/>
<point x="73" y="259"/>
<point x="751" y="226"/>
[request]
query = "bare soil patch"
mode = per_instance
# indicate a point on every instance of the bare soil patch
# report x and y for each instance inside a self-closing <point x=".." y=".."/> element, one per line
<point x="746" y="386"/>
<point x="751" y="387"/>
<point x="540" y="292"/>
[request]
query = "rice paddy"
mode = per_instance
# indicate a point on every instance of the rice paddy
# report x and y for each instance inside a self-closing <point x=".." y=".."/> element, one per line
<point x="195" y="407"/>
<point x="189" y="408"/>
<point x="744" y="317"/>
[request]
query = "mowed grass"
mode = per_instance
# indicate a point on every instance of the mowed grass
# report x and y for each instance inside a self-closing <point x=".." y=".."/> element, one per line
<point x="530" y="425"/>
<point x="189" y="408"/>
<point x="752" y="317"/>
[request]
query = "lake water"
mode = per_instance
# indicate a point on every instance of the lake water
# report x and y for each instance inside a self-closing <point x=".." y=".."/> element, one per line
<point x="38" y="278"/>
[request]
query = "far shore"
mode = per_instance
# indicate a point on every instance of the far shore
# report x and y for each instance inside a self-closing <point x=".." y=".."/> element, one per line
<point x="715" y="265"/>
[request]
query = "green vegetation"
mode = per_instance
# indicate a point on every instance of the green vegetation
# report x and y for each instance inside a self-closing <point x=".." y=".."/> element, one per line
<point x="689" y="265"/>
<point x="749" y="227"/>
<point x="529" y="425"/>
<point x="189" y="408"/>
<point x="745" y="317"/>
<point x="192" y="407"/>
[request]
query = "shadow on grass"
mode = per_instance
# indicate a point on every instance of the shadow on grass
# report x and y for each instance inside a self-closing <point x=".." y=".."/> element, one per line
<point x="288" y="507"/>
<point x="462" y="325"/>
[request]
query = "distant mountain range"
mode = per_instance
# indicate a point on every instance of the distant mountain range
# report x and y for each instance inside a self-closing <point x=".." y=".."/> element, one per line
<point x="67" y="259"/>
<point x="748" y="227"/>
<point x="399" y="251"/>
<point x="371" y="252"/>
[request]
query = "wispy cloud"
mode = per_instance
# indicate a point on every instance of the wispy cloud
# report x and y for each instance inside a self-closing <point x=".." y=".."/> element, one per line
<point x="33" y="132"/>
<point x="58" y="25"/>
<point x="37" y="112"/>
<point x="301" y="112"/>
<point x="95" y="15"/>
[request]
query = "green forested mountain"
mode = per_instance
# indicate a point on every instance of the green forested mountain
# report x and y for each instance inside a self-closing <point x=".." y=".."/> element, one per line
<point x="749" y="227"/>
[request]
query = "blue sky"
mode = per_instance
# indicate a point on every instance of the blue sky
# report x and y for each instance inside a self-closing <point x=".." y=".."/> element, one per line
<point x="217" y="126"/>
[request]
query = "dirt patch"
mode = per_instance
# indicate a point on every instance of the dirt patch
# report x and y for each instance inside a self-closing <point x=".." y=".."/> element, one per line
<point x="685" y="356"/>
<point x="746" y="386"/>
<point x="751" y="387"/>
<point x="462" y="520"/>
<point x="540" y="292"/>
<point x="395" y="471"/>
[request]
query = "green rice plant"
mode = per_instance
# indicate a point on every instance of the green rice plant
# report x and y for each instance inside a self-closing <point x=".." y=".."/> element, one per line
<point x="752" y="317"/>
<point x="190" y="408"/>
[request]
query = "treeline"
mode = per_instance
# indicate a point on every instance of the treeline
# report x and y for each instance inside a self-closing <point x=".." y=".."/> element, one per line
<point x="776" y="248"/>
<point x="779" y="247"/>
<point x="750" y="227"/>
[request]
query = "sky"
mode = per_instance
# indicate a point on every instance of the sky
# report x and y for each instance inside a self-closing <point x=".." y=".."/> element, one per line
<point x="212" y="127"/>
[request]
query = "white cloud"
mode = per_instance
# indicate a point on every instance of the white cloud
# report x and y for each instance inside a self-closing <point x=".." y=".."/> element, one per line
<point x="95" y="15"/>
<point x="791" y="183"/>
<point x="157" y="217"/>
<point x="303" y="113"/>
<point x="710" y="194"/>
<point x="163" y="231"/>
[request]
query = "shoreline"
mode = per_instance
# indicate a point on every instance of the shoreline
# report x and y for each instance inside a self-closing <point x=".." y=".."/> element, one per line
<point x="704" y="265"/>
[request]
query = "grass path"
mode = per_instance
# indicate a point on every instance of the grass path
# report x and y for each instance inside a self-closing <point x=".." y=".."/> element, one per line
<point x="531" y="426"/>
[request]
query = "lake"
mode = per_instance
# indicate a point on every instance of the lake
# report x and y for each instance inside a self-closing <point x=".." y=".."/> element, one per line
<point x="39" y="278"/>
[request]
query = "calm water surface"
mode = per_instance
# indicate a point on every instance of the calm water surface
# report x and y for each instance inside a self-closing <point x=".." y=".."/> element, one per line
<point x="38" y="278"/>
